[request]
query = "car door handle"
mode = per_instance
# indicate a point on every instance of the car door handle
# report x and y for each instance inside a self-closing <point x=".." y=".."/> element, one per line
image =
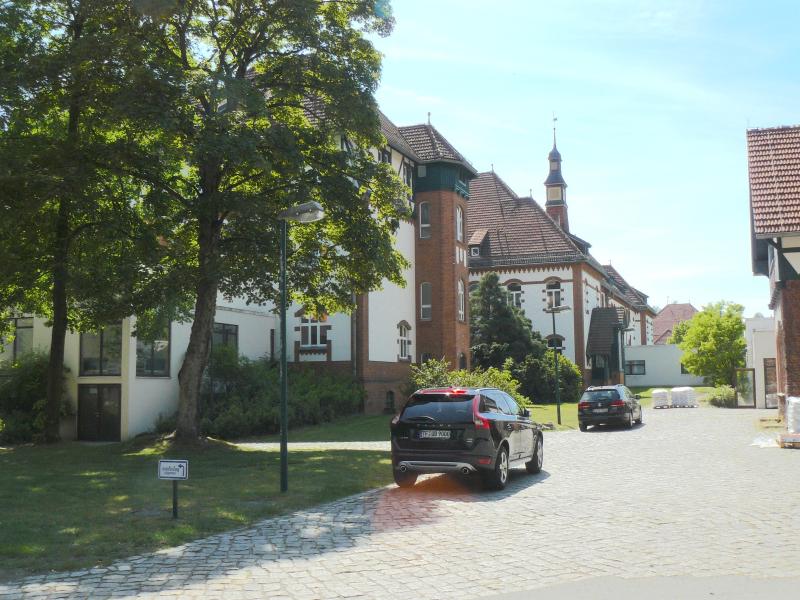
<point x="509" y="427"/>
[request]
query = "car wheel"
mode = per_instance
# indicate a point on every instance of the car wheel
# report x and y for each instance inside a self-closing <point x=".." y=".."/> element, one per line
<point x="641" y="416"/>
<point x="405" y="480"/>
<point x="583" y="426"/>
<point x="497" y="478"/>
<point x="629" y="422"/>
<point x="534" y="465"/>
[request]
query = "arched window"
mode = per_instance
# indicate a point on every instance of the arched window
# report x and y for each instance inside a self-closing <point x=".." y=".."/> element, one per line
<point x="460" y="303"/>
<point x="459" y="224"/>
<point x="425" y="299"/>
<point x="462" y="360"/>
<point x="404" y="340"/>
<point x="554" y="292"/>
<point x="514" y="294"/>
<point x="556" y="342"/>
<point x="424" y="220"/>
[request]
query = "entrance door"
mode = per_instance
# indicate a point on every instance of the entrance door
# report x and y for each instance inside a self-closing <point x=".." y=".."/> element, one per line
<point x="770" y="383"/>
<point x="99" y="414"/>
<point x="746" y="388"/>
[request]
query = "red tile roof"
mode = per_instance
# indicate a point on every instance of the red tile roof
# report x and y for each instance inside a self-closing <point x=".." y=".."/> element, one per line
<point x="774" y="166"/>
<point x="520" y="231"/>
<point x="667" y="318"/>
<point x="633" y="296"/>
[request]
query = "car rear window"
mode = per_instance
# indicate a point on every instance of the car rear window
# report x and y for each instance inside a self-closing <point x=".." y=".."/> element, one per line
<point x="439" y="407"/>
<point x="596" y="395"/>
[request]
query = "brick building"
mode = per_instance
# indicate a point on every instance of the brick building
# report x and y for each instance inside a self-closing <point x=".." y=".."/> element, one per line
<point x="774" y="174"/>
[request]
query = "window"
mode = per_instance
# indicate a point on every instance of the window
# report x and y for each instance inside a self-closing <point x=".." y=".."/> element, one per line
<point x="554" y="294"/>
<point x="22" y="342"/>
<point x="225" y="335"/>
<point x="462" y="361"/>
<point x="425" y="357"/>
<point x="408" y="171"/>
<point x="312" y="332"/>
<point x="554" y="193"/>
<point x="389" y="406"/>
<point x="514" y="294"/>
<point x="460" y="304"/>
<point x="152" y="356"/>
<point x="634" y="367"/>
<point x="386" y="155"/>
<point x="556" y="343"/>
<point x="404" y="340"/>
<point x="475" y="251"/>
<point x="554" y="165"/>
<point x="459" y="224"/>
<point x="425" y="308"/>
<point x="101" y="352"/>
<point x="684" y="371"/>
<point x="424" y="220"/>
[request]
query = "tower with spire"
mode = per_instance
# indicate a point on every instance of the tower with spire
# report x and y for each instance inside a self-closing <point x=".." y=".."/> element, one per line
<point x="556" y="188"/>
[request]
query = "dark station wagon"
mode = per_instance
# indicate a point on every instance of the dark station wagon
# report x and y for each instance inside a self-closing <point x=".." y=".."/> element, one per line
<point x="609" y="404"/>
<point x="466" y="431"/>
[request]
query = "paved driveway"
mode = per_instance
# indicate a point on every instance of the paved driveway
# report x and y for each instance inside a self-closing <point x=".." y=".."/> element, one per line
<point x="684" y="494"/>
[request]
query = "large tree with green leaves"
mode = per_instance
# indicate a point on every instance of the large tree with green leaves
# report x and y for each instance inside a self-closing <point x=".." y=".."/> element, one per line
<point x="72" y="239"/>
<point x="261" y="105"/>
<point x="498" y="330"/>
<point x="713" y="342"/>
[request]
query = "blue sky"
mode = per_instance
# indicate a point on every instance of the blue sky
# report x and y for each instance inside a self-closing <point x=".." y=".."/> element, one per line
<point x="653" y="99"/>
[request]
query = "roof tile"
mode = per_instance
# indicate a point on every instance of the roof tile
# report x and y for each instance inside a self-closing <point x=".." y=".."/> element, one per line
<point x="774" y="166"/>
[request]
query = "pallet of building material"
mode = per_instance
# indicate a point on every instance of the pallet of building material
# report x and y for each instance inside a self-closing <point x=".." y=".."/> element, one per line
<point x="789" y="440"/>
<point x="683" y="397"/>
<point x="660" y="398"/>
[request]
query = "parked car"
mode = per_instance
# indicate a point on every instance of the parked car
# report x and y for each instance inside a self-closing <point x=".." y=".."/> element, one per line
<point x="464" y="430"/>
<point x="609" y="404"/>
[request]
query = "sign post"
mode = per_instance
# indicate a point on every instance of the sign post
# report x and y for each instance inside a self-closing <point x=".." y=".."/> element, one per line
<point x="175" y="471"/>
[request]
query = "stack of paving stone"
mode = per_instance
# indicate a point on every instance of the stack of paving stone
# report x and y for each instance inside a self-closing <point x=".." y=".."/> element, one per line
<point x="660" y="398"/>
<point x="683" y="397"/>
<point x="793" y="414"/>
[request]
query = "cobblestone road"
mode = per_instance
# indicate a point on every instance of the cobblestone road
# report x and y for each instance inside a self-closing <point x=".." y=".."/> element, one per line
<point x="683" y="494"/>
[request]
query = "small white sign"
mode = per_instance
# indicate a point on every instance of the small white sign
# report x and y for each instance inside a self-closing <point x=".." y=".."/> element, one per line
<point x="173" y="469"/>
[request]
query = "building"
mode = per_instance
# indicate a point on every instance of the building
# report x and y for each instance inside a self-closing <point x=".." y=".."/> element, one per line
<point x="543" y="264"/>
<point x="774" y="177"/>
<point x="668" y="317"/>
<point x="657" y="365"/>
<point x="759" y="334"/>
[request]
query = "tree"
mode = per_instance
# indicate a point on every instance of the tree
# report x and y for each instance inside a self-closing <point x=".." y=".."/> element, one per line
<point x="713" y="342"/>
<point x="261" y="105"/>
<point x="537" y="378"/>
<point x="72" y="240"/>
<point x="499" y="330"/>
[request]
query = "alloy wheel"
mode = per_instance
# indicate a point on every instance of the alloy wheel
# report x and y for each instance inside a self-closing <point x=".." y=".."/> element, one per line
<point x="539" y="451"/>
<point x="503" y="467"/>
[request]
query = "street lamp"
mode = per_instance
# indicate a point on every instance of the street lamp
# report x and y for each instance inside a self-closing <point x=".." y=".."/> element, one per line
<point x="308" y="212"/>
<point x="553" y="310"/>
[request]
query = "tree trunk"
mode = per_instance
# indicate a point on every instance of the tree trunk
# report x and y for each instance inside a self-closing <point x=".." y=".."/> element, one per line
<point x="55" y="367"/>
<point x="190" y="376"/>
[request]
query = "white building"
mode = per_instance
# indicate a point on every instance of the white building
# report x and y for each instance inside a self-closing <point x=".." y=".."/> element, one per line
<point x="759" y="334"/>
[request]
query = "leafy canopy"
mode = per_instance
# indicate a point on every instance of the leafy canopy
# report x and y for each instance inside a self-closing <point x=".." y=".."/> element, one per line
<point x="713" y="342"/>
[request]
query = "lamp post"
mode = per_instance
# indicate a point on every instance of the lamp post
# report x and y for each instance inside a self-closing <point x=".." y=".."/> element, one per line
<point x="553" y="310"/>
<point x="308" y="212"/>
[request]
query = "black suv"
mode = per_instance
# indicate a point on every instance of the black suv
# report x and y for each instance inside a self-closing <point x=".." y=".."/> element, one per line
<point x="464" y="430"/>
<point x="609" y="404"/>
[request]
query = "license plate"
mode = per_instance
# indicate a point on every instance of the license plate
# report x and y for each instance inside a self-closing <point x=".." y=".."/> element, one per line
<point x="600" y="410"/>
<point x="434" y="434"/>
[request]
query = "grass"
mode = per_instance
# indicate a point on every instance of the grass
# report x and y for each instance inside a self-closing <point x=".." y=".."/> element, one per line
<point x="547" y="413"/>
<point x="73" y="506"/>
<point x="355" y="428"/>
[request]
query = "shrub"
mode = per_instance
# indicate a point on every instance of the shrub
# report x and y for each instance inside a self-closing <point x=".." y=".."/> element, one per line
<point x="241" y="397"/>
<point x="23" y="398"/>
<point x="537" y="378"/>
<point x="723" y="396"/>
<point x="436" y="373"/>
<point x="166" y="424"/>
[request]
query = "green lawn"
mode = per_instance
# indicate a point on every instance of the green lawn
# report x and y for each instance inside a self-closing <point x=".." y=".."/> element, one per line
<point x="73" y="506"/>
<point x="547" y="413"/>
<point x="356" y="428"/>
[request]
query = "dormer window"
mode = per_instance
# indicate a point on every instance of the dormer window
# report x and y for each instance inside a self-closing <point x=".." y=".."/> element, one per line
<point x="475" y="251"/>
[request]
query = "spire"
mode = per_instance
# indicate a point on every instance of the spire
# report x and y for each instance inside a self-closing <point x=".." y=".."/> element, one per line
<point x="555" y="186"/>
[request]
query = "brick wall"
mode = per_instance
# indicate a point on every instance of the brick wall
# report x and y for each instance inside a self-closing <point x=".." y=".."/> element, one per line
<point x="437" y="263"/>
<point x="788" y="350"/>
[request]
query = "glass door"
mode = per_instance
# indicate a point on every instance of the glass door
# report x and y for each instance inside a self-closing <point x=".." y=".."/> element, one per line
<point x="746" y="388"/>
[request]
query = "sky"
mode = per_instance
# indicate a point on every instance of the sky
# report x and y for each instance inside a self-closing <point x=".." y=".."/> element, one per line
<point x="653" y="100"/>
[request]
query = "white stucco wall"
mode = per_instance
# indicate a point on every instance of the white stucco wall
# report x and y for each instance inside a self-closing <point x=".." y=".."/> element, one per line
<point x="662" y="366"/>
<point x="759" y="335"/>
<point x="392" y="304"/>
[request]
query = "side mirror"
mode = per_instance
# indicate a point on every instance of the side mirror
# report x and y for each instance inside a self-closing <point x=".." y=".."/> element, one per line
<point x="526" y="412"/>
<point x="638" y="397"/>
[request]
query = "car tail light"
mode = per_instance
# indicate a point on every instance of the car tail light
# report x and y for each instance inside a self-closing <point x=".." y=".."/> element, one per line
<point x="484" y="460"/>
<point x="458" y="392"/>
<point x="479" y="421"/>
<point x="583" y="405"/>
<point x="618" y="403"/>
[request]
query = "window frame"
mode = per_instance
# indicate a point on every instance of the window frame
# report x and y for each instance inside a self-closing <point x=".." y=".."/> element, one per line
<point x="554" y="293"/>
<point x="631" y="364"/>
<point x="514" y="296"/>
<point x="226" y="333"/>
<point x="151" y="345"/>
<point x="422" y="305"/>
<point x="461" y="305"/>
<point x="404" y="340"/>
<point x="100" y="358"/>
<point x="309" y="324"/>
<point x="14" y="344"/>
<point x="424" y="226"/>
<point x="459" y="224"/>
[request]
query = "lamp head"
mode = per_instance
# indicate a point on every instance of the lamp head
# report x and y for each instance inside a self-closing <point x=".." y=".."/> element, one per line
<point x="307" y="212"/>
